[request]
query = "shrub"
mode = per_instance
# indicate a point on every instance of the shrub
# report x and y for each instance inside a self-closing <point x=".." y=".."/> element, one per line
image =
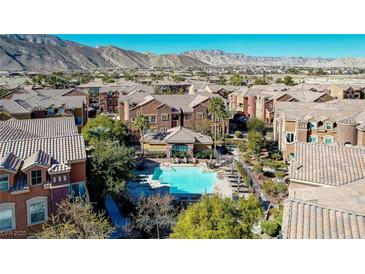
<point x="275" y="156"/>
<point x="180" y="154"/>
<point x="257" y="168"/>
<point x="242" y="146"/>
<point x="238" y="134"/>
<point x="281" y="187"/>
<point x="269" y="187"/>
<point x="157" y="154"/>
<point x="270" y="228"/>
<point x="280" y="174"/>
<point x="205" y="154"/>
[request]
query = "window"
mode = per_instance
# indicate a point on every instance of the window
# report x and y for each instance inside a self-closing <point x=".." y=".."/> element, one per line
<point x="164" y="117"/>
<point x="175" y="117"/>
<point x="54" y="179"/>
<point x="61" y="110"/>
<point x="291" y="156"/>
<point x="187" y="116"/>
<point x="327" y="140"/>
<point x="179" y="148"/>
<point x="59" y="178"/>
<point x="77" y="190"/>
<point x="110" y="101"/>
<point x="36" y="177"/>
<point x="7" y="217"/>
<point x="312" y="125"/>
<point x="328" y="125"/>
<point x="50" y="111"/>
<point x="162" y="129"/>
<point x="4" y="182"/>
<point x="289" y="137"/>
<point x="152" y="119"/>
<point x="64" y="178"/>
<point x="37" y="210"/>
<point x="78" y="121"/>
<point x="312" y="139"/>
<point x="200" y="115"/>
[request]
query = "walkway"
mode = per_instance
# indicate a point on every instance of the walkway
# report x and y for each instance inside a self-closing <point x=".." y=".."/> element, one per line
<point x="265" y="203"/>
<point x="117" y="219"/>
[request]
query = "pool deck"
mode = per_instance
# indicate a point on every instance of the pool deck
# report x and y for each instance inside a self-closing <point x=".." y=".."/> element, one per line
<point x="147" y="185"/>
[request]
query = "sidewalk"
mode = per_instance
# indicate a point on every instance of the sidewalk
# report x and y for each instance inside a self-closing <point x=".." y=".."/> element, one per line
<point x="117" y="219"/>
<point x="255" y="185"/>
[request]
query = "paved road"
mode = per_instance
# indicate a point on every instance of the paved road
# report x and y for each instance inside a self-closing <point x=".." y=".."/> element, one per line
<point x="255" y="185"/>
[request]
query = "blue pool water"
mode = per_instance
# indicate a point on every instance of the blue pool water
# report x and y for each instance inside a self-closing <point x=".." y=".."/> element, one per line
<point x="186" y="180"/>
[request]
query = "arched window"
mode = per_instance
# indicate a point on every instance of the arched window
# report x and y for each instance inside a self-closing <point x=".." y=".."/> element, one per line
<point x="347" y="144"/>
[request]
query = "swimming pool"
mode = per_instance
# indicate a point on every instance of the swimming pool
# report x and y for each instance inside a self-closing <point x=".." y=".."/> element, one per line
<point x="186" y="180"/>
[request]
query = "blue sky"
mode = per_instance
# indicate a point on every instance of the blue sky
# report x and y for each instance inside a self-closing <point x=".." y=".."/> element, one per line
<point x="305" y="45"/>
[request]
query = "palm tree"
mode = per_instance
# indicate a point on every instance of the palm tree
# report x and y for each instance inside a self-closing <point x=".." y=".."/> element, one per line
<point x="141" y="124"/>
<point x="217" y="109"/>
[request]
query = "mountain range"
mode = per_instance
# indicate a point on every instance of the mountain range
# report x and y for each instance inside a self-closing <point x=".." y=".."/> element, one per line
<point x="32" y="52"/>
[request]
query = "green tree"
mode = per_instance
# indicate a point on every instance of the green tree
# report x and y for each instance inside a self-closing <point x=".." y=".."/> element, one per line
<point x="320" y="71"/>
<point x="104" y="128"/>
<point x="154" y="214"/>
<point x="110" y="169"/>
<point x="238" y="134"/>
<point x="177" y="78"/>
<point x="236" y="80"/>
<point x="261" y="81"/>
<point x="107" y="79"/>
<point x="141" y="124"/>
<point x="76" y="220"/>
<point x="256" y="124"/>
<point x="217" y="109"/>
<point x="270" y="228"/>
<point x="281" y="188"/>
<point x="222" y="80"/>
<point x="255" y="142"/>
<point x="216" y="218"/>
<point x="269" y="187"/>
<point x="288" y="80"/>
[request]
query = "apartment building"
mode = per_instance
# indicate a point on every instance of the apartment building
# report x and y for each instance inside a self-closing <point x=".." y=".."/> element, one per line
<point x="326" y="193"/>
<point x="338" y="122"/>
<point x="165" y="111"/>
<point x="45" y="103"/>
<point x="222" y="90"/>
<point x="339" y="91"/>
<point x="42" y="161"/>
<point x="162" y="86"/>
<point x="260" y="102"/>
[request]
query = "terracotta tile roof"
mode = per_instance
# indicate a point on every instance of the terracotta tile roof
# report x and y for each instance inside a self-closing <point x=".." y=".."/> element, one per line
<point x="335" y="110"/>
<point x="327" y="164"/>
<point x="36" y="128"/>
<point x="61" y="150"/>
<point x="39" y="157"/>
<point x="305" y="220"/>
<point x="178" y="135"/>
<point x="325" y="212"/>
